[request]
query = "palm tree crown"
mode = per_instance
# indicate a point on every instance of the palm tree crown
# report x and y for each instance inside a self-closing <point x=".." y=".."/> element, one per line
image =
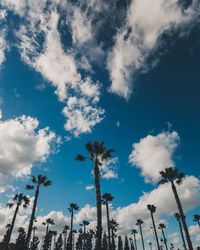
<point x="171" y="175"/>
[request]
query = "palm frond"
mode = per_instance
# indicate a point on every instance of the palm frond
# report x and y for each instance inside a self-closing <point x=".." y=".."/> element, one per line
<point x="80" y="157"/>
<point x="29" y="187"/>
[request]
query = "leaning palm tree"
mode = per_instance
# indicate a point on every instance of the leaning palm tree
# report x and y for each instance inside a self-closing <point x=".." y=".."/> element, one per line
<point x="162" y="227"/>
<point x="178" y="218"/>
<point x="139" y="224"/>
<point x="113" y="228"/>
<point x="134" y="232"/>
<point x="152" y="210"/>
<point x="106" y="198"/>
<point x="72" y="207"/>
<point x="97" y="154"/>
<point x="196" y="218"/>
<point x="84" y="224"/>
<point x="40" y="180"/>
<point x="172" y="175"/>
<point x="19" y="200"/>
<point x="47" y="223"/>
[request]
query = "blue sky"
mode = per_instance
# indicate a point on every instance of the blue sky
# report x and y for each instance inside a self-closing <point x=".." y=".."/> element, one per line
<point x="92" y="72"/>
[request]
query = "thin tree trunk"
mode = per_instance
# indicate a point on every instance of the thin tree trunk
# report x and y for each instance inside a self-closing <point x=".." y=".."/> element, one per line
<point x="12" y="224"/>
<point x="154" y="227"/>
<point x="71" y="232"/>
<point x="182" y="216"/>
<point x="98" y="205"/>
<point x="135" y="242"/>
<point x="32" y="217"/>
<point x="164" y="238"/>
<point x="84" y="236"/>
<point x="142" y="237"/>
<point x="108" y="224"/>
<point x="182" y="236"/>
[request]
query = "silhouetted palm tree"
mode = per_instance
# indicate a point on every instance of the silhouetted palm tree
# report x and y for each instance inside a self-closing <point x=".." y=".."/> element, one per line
<point x="172" y="175"/>
<point x="105" y="199"/>
<point x="139" y="224"/>
<point x="177" y="216"/>
<point x="65" y="230"/>
<point x="150" y="245"/>
<point x="113" y="228"/>
<point x="196" y="218"/>
<point x="38" y="181"/>
<point x="72" y="207"/>
<point x="152" y="210"/>
<point x="19" y="200"/>
<point x="97" y="154"/>
<point x="84" y="224"/>
<point x="47" y="223"/>
<point x="162" y="227"/>
<point x="134" y="232"/>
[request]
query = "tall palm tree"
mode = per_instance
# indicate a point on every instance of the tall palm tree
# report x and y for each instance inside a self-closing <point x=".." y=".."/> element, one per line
<point x="178" y="218"/>
<point x="19" y="200"/>
<point x="152" y="210"/>
<point x="65" y="230"/>
<point x="162" y="227"/>
<point x="113" y="228"/>
<point x="106" y="198"/>
<point x="173" y="176"/>
<point x="134" y="232"/>
<point x="40" y="180"/>
<point x="139" y="224"/>
<point x="47" y="223"/>
<point x="84" y="224"/>
<point x="97" y="154"/>
<point x="72" y="207"/>
<point x="196" y="218"/>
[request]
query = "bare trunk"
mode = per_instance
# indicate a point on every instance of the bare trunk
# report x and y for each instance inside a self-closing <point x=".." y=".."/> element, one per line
<point x="71" y="232"/>
<point x="142" y="237"/>
<point x="164" y="238"/>
<point x="182" y="216"/>
<point x="98" y="205"/>
<point x="32" y="217"/>
<point x="154" y="227"/>
<point x="108" y="224"/>
<point x="12" y="224"/>
<point x="182" y="236"/>
<point x="135" y="242"/>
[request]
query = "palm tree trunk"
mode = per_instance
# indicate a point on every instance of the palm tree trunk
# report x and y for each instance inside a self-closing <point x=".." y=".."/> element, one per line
<point x="71" y="232"/>
<point x="32" y="217"/>
<point x="108" y="224"/>
<point x="12" y="224"/>
<point x="140" y="227"/>
<point x="164" y="238"/>
<point x="182" y="236"/>
<point x="98" y="205"/>
<point x="84" y="229"/>
<point x="135" y="242"/>
<point x="113" y="241"/>
<point x="154" y="227"/>
<point x="182" y="216"/>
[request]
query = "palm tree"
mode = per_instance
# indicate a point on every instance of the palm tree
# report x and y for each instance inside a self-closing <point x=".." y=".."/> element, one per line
<point x="139" y="224"/>
<point x="84" y="224"/>
<point x="196" y="218"/>
<point x="105" y="199"/>
<point x="177" y="216"/>
<point x="72" y="207"/>
<point x="152" y="210"/>
<point x="150" y="245"/>
<point x="162" y="227"/>
<point x="19" y="200"/>
<point x="40" y="180"/>
<point x="97" y="154"/>
<point x="113" y="228"/>
<point x="134" y="232"/>
<point x="47" y="223"/>
<point x="172" y="175"/>
<point x="65" y="229"/>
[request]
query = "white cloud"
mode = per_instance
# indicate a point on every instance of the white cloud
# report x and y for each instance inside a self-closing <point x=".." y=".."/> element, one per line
<point x="109" y="168"/>
<point x="154" y="153"/>
<point x="60" y="68"/>
<point x="140" y="36"/>
<point x="89" y="187"/>
<point x="23" y="144"/>
<point x="3" y="45"/>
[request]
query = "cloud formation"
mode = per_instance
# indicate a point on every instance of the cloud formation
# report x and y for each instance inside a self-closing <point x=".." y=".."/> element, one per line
<point x="141" y="35"/>
<point x="23" y="144"/>
<point x="154" y="153"/>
